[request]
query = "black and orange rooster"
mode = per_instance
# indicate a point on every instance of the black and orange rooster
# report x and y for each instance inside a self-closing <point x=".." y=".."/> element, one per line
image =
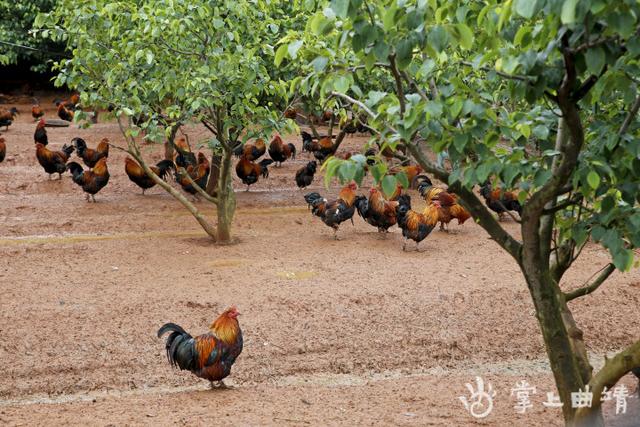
<point x="91" y="181"/>
<point x="53" y="161"/>
<point x="500" y="201"/>
<point x="448" y="206"/>
<point x="7" y="117"/>
<point x="321" y="149"/>
<point x="249" y="171"/>
<point x="40" y="135"/>
<point x="198" y="173"/>
<point x="90" y="156"/>
<point x="36" y="112"/>
<point x="65" y="113"/>
<point x="335" y="212"/>
<point x="415" y="226"/>
<point x="137" y="175"/>
<point x="251" y="151"/>
<point x="279" y="151"/>
<point x="3" y="149"/>
<point x="377" y="211"/>
<point x="184" y="156"/>
<point x="304" y="175"/>
<point x="208" y="356"/>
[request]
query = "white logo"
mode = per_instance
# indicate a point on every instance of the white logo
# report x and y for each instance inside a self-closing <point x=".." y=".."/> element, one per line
<point x="480" y="402"/>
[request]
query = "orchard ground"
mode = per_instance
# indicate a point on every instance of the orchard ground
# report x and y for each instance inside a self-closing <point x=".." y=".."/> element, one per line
<point x="336" y="332"/>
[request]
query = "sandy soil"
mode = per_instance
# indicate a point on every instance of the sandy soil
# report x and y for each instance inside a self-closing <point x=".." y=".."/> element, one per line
<point x="337" y="332"/>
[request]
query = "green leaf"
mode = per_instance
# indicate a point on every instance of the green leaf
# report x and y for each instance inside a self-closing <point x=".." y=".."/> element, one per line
<point x="623" y="259"/>
<point x="375" y="97"/>
<point x="402" y="178"/>
<point x="595" y="58"/>
<point x="340" y="7"/>
<point x="280" y="53"/>
<point x="389" y="185"/>
<point x="526" y="8"/>
<point x="293" y="48"/>
<point x="593" y="179"/>
<point x="568" y="14"/>
<point x="466" y="36"/>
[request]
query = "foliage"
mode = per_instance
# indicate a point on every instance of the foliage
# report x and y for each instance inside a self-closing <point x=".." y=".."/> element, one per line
<point x="18" y="44"/>
<point x="541" y="96"/>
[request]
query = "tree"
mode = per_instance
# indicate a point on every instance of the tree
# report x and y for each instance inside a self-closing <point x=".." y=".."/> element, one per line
<point x="540" y="95"/>
<point x="17" y="44"/>
<point x="160" y="64"/>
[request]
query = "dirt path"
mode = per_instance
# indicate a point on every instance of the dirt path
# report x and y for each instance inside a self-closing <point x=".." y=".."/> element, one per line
<point x="337" y="332"/>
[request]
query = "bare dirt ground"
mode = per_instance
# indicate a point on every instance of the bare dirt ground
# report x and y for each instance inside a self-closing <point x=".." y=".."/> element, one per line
<point x="336" y="332"/>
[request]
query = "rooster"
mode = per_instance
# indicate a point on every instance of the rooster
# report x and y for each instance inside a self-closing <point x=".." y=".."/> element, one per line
<point x="337" y="211"/>
<point x="279" y="151"/>
<point x="184" y="156"/>
<point x="198" y="173"/>
<point x="65" y="113"/>
<point x="7" y="117"/>
<point x="90" y="156"/>
<point x="36" y="112"/>
<point x="304" y="175"/>
<point x="249" y="171"/>
<point x="251" y="150"/>
<point x="91" y="181"/>
<point x="377" y="211"/>
<point x="321" y="149"/>
<point x="500" y="201"/>
<point x="40" y="135"/>
<point x="415" y="226"/>
<point x="410" y="171"/>
<point x="3" y="149"/>
<point x="53" y="161"/>
<point x="209" y="356"/>
<point x="448" y="206"/>
<point x="138" y="176"/>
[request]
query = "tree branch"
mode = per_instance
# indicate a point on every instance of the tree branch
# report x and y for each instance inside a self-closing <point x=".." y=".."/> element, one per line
<point x="196" y="187"/>
<point x="605" y="272"/>
<point x="500" y="73"/>
<point x="398" y="79"/>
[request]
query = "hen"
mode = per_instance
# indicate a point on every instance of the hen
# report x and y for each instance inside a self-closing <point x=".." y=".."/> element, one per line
<point x="53" y="161"/>
<point x="411" y="172"/>
<point x="249" y="171"/>
<point x="337" y="211"/>
<point x="415" y="226"/>
<point x="91" y="181"/>
<point x="65" y="113"/>
<point x="7" y="117"/>
<point x="251" y="150"/>
<point x="40" y="135"/>
<point x="304" y="175"/>
<point x="448" y="206"/>
<point x="279" y="151"/>
<point x="377" y="211"/>
<point x="184" y="157"/>
<point x="321" y="149"/>
<point x="198" y="173"/>
<point x="90" y="156"/>
<point x="500" y="201"/>
<point x="36" y="112"/>
<point x="3" y="149"/>
<point x="208" y="356"/>
<point x="138" y="176"/>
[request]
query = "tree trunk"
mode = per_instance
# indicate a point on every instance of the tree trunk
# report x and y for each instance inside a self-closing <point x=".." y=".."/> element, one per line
<point x="168" y="145"/>
<point x="226" y="200"/>
<point x="214" y="175"/>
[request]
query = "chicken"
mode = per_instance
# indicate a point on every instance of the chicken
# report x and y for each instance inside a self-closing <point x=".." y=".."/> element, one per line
<point x="91" y="181"/>
<point x="500" y="201"/>
<point x="40" y="135"/>
<point x="321" y="149"/>
<point x="90" y="156"/>
<point x="304" y="175"/>
<point x="290" y="113"/>
<point x="184" y="157"/>
<point x="279" y="151"/>
<point x="198" y="173"/>
<point x="410" y="171"/>
<point x="7" y="117"/>
<point x="251" y="150"/>
<point x="53" y="161"/>
<point x="138" y="176"/>
<point x="377" y="211"/>
<point x="249" y="171"/>
<point x="415" y="226"/>
<point x="65" y="113"/>
<point x="337" y="211"/>
<point x="208" y="356"/>
<point x="448" y="206"/>
<point x="3" y="149"/>
<point x="36" y="112"/>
